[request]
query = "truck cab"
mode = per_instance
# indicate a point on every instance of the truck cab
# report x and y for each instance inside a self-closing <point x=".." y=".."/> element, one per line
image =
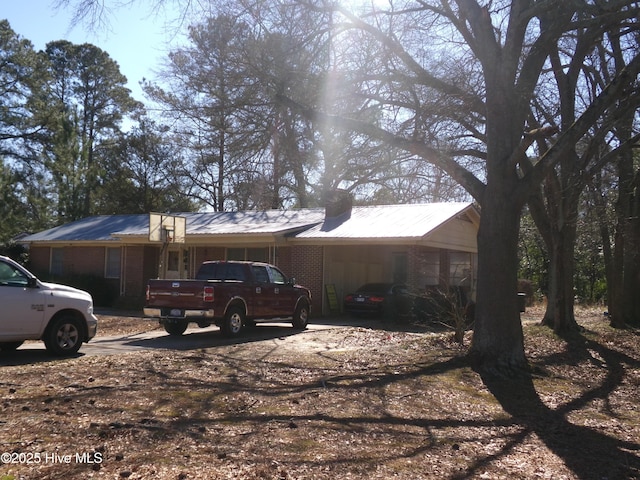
<point x="230" y="294"/>
<point x="59" y="315"/>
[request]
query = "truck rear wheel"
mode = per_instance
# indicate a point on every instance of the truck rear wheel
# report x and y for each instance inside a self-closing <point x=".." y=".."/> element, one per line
<point x="175" y="327"/>
<point x="301" y="316"/>
<point x="233" y="322"/>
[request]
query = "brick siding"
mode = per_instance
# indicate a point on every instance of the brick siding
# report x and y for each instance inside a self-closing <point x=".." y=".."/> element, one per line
<point x="306" y="266"/>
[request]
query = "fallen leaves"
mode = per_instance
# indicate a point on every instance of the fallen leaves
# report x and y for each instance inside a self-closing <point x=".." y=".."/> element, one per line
<point x="353" y="402"/>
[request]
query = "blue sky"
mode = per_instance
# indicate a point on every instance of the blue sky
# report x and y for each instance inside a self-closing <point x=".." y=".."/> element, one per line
<point x="136" y="39"/>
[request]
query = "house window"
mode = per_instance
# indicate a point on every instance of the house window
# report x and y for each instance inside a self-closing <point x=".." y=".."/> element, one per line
<point x="57" y="261"/>
<point x="258" y="254"/>
<point x="235" y="253"/>
<point x="460" y="269"/>
<point x="431" y="269"/>
<point x="113" y="265"/>
<point x="252" y="254"/>
<point x="173" y="261"/>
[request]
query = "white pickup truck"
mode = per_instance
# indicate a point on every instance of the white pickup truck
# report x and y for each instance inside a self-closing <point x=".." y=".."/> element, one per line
<point x="60" y="316"/>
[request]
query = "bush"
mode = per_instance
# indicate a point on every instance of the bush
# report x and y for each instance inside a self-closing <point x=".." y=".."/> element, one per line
<point x="446" y="306"/>
<point x="15" y="252"/>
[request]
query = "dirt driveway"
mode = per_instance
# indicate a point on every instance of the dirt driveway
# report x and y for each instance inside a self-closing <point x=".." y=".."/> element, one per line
<point x="128" y="332"/>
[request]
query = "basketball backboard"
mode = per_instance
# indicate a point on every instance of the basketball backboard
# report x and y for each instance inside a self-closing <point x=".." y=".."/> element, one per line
<point x="165" y="228"/>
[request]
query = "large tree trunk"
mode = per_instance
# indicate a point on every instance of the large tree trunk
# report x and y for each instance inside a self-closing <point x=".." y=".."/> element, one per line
<point x="560" y="313"/>
<point x="631" y="282"/>
<point x="498" y="342"/>
<point x="624" y="271"/>
<point x="554" y="210"/>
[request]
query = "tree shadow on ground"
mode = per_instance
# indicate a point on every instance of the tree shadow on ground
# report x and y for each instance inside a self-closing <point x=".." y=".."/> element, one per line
<point x="589" y="453"/>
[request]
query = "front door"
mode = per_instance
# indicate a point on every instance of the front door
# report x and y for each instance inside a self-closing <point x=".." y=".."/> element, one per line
<point x="177" y="263"/>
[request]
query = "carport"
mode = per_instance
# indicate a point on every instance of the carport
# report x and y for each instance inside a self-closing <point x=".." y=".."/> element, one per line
<point x="422" y="246"/>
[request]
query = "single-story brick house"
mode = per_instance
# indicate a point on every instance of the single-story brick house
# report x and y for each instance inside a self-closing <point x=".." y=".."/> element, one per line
<point x="338" y="246"/>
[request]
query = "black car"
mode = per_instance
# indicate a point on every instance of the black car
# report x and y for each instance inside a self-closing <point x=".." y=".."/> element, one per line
<point x="379" y="299"/>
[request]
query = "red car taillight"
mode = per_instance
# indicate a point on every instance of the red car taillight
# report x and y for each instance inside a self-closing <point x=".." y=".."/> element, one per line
<point x="349" y="298"/>
<point x="376" y="299"/>
<point x="207" y="294"/>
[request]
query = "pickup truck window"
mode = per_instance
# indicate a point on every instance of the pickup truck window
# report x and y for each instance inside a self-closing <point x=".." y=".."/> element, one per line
<point x="235" y="273"/>
<point x="222" y="271"/>
<point x="11" y="276"/>
<point x="207" y="271"/>
<point x="260" y="273"/>
<point x="277" y="276"/>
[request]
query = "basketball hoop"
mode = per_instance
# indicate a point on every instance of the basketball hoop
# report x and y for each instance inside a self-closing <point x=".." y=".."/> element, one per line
<point x="164" y="228"/>
<point x="167" y="235"/>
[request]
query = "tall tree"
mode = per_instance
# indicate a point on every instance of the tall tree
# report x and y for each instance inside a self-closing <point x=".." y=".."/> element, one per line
<point x="624" y="268"/>
<point x="580" y="64"/>
<point x="88" y="99"/>
<point x="20" y="78"/>
<point x="482" y="93"/>
<point x="206" y="88"/>
<point x="140" y="173"/>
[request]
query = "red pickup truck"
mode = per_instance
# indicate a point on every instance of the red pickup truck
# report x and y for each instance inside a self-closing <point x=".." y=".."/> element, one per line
<point x="229" y="294"/>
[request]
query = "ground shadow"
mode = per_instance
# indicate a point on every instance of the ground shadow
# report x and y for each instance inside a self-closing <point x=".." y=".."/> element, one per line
<point x="31" y="356"/>
<point x="589" y="453"/>
<point x="213" y="337"/>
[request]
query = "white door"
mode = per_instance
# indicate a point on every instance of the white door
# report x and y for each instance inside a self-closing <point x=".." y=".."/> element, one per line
<point x="21" y="307"/>
<point x="177" y="263"/>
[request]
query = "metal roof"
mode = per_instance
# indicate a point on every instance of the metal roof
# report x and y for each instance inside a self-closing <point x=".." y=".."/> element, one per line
<point x="387" y="221"/>
<point x="383" y="221"/>
<point x="113" y="227"/>
<point x="252" y="222"/>
<point x="98" y="228"/>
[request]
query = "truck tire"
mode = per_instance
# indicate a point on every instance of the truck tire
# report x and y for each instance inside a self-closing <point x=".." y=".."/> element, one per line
<point x="233" y="322"/>
<point x="175" y="328"/>
<point x="301" y="316"/>
<point x="63" y="336"/>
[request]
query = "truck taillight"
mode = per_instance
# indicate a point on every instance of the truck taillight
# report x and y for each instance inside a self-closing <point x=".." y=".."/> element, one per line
<point x="207" y="294"/>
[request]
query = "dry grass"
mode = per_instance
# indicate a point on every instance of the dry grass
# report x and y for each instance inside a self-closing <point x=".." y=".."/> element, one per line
<point x="339" y="403"/>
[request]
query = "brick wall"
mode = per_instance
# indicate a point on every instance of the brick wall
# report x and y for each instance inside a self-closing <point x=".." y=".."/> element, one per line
<point x="283" y="261"/>
<point x="39" y="258"/>
<point x="306" y="266"/>
<point x="134" y="268"/>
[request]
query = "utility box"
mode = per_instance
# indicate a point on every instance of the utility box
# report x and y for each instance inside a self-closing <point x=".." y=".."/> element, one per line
<point x="522" y="301"/>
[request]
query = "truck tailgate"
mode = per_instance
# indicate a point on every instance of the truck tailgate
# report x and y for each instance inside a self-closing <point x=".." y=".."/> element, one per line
<point x="176" y="294"/>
